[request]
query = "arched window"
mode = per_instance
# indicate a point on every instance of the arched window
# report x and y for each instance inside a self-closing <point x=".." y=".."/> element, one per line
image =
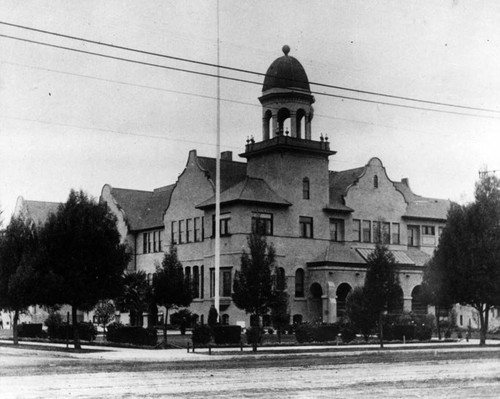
<point x="417" y="305"/>
<point x="196" y="282"/>
<point x="280" y="279"/>
<point x="300" y="122"/>
<point x="267" y="124"/>
<point x="375" y="181"/>
<point x="342" y="292"/>
<point x="283" y="121"/>
<point x="299" y="283"/>
<point x="187" y="272"/>
<point x="306" y="194"/>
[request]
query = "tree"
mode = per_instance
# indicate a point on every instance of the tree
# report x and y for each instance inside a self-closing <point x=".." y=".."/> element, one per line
<point x="280" y="315"/>
<point x="105" y="312"/>
<point x="253" y="285"/>
<point x="171" y="288"/>
<point x="360" y="313"/>
<point x="81" y="250"/>
<point x="435" y="290"/>
<point x="381" y="287"/>
<point x="18" y="286"/>
<point x="136" y="296"/>
<point x="468" y="254"/>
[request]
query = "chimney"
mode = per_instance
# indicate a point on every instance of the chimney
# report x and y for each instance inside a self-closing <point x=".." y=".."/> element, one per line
<point x="226" y="156"/>
<point x="406" y="182"/>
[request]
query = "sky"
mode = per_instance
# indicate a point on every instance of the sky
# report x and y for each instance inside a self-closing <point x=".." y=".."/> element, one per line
<point x="74" y="120"/>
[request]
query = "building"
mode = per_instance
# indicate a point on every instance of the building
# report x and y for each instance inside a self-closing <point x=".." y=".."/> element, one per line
<point x="323" y="224"/>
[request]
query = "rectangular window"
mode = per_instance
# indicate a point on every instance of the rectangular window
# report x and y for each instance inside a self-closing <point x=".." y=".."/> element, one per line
<point x="154" y="241"/>
<point x="159" y="241"/>
<point x="149" y="242"/>
<point x="428" y="235"/>
<point x="197" y="230"/>
<point x="145" y="243"/>
<point x="337" y="229"/>
<point x="212" y="283"/>
<point x="174" y="232"/>
<point x="367" y="231"/>
<point x="202" y="281"/>
<point x="413" y="236"/>
<point x="306" y="226"/>
<point x="202" y="228"/>
<point x="262" y="223"/>
<point x="181" y="231"/>
<point x="428" y="230"/>
<point x="224" y="224"/>
<point x="189" y="230"/>
<point x="395" y="233"/>
<point x="386" y="232"/>
<point x="356" y="230"/>
<point x="226" y="282"/>
<point x="377" y="232"/>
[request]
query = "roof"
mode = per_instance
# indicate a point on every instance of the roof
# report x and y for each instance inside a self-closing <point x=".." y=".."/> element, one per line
<point x="286" y="72"/>
<point x="38" y="211"/>
<point x="421" y="207"/>
<point x="339" y="183"/>
<point x="143" y="209"/>
<point x="231" y="172"/>
<point x="251" y="190"/>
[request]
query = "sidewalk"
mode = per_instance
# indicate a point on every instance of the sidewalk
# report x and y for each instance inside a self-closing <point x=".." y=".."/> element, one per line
<point x="202" y="354"/>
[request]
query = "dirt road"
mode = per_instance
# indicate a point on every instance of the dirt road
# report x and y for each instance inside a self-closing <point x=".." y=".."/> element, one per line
<point x="42" y="374"/>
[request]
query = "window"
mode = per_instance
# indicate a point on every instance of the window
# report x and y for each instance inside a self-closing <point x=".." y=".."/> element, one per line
<point x="154" y="241"/>
<point x="224" y="224"/>
<point x="413" y="236"/>
<point x="225" y="319"/>
<point x="197" y="230"/>
<point x="189" y="230"/>
<point x="173" y="230"/>
<point x="299" y="283"/>
<point x="159" y="241"/>
<point x="262" y="223"/>
<point x="356" y="230"/>
<point x="147" y="238"/>
<point x="367" y="231"/>
<point x="145" y="243"/>
<point x="181" y="231"/>
<point x="187" y="272"/>
<point x="377" y="233"/>
<point x="395" y="233"/>
<point x="306" y="194"/>
<point x="196" y="282"/>
<point x="306" y="226"/>
<point x="149" y="242"/>
<point x="226" y="282"/>
<point x="280" y="279"/>
<point x="202" y="282"/>
<point x="336" y="229"/>
<point x="386" y="232"/>
<point x="212" y="283"/>
<point x="375" y="181"/>
<point x="428" y="230"/>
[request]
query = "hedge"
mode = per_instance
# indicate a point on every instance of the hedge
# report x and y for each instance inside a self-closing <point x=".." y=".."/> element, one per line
<point x="87" y="331"/>
<point x="201" y="335"/>
<point x="132" y="335"/>
<point x="29" y="330"/>
<point x="226" y="334"/>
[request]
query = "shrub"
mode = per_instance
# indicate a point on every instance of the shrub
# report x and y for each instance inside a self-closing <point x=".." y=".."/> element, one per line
<point x="87" y="331"/>
<point x="132" y="335"/>
<point x="270" y="331"/>
<point x="252" y="332"/>
<point x="183" y="317"/>
<point x="57" y="329"/>
<point x="54" y="322"/>
<point x="424" y="332"/>
<point x="201" y="335"/>
<point x="316" y="333"/>
<point x="29" y="330"/>
<point x="347" y="332"/>
<point x="226" y="334"/>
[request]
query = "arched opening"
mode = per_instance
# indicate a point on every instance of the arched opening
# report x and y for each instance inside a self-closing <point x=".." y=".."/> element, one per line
<point x="299" y="283"/>
<point x="280" y="279"/>
<point x="342" y="292"/>
<point x="283" y="121"/>
<point x="225" y="319"/>
<point x="267" y="124"/>
<point x="316" y="293"/>
<point x="417" y="305"/>
<point x="300" y="123"/>
<point x="187" y="272"/>
<point x="196" y="282"/>
<point x="396" y="303"/>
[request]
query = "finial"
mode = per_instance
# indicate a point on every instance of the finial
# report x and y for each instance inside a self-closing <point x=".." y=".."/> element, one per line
<point x="326" y="137"/>
<point x="321" y="137"/>
<point x="248" y="140"/>
<point x="252" y="140"/>
<point x="286" y="49"/>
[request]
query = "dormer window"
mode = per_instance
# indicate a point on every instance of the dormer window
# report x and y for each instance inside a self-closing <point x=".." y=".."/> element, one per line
<point x="305" y="188"/>
<point x="375" y="181"/>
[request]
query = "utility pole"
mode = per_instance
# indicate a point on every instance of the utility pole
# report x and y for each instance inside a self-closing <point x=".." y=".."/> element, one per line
<point x="217" y="183"/>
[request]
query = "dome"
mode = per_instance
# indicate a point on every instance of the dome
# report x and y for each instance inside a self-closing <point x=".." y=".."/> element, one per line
<point x="286" y="72"/>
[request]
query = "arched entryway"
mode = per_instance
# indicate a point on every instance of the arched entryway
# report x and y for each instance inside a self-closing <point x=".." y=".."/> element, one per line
<point x="417" y="306"/>
<point x="316" y="308"/>
<point x="342" y="292"/>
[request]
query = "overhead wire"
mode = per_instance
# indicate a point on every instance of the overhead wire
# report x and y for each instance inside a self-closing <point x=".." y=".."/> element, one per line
<point x="373" y="93"/>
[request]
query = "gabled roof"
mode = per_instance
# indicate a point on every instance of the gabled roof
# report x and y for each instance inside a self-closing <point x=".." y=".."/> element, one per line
<point x="231" y="172"/>
<point x="339" y="183"/>
<point x="421" y="207"/>
<point x="143" y="209"/>
<point x="250" y="190"/>
<point x="37" y="211"/>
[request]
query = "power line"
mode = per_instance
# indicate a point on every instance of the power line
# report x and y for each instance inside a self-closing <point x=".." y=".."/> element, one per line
<point x="243" y="80"/>
<point x="248" y="71"/>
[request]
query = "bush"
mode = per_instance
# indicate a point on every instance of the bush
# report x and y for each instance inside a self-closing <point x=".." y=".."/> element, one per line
<point x="87" y="331"/>
<point x="270" y="331"/>
<point x="201" y="335"/>
<point x="183" y="317"/>
<point x="132" y="335"/>
<point x="57" y="329"/>
<point x="54" y="322"/>
<point x="254" y="332"/>
<point x="29" y="330"/>
<point x="347" y="333"/>
<point x="424" y="332"/>
<point x="226" y="334"/>
<point x="316" y="333"/>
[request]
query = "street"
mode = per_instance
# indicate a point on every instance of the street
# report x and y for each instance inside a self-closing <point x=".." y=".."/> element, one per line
<point x="463" y="373"/>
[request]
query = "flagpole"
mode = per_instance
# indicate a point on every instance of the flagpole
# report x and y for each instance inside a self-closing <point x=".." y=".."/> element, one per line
<point x="217" y="182"/>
